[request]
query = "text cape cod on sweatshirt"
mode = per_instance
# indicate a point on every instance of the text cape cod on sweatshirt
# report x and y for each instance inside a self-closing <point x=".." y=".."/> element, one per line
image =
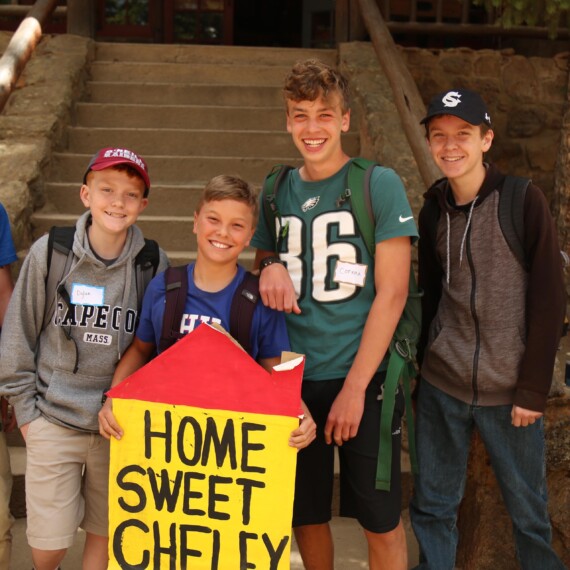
<point x="47" y="373"/>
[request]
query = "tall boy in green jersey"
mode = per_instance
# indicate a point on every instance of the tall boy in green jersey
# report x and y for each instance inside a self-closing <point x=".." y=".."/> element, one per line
<point x="342" y="309"/>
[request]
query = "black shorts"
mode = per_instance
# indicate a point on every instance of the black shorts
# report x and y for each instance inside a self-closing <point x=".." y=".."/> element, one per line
<point x="376" y="511"/>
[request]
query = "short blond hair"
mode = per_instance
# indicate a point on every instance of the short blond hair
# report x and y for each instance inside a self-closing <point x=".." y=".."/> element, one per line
<point x="230" y="187"/>
<point x="310" y="79"/>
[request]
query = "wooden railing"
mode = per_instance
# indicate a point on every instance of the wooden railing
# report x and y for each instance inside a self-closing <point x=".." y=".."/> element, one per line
<point x="21" y="11"/>
<point x="404" y="90"/>
<point x="432" y="18"/>
<point x="22" y="45"/>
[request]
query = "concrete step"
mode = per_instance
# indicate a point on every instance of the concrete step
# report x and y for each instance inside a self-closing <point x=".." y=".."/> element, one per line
<point x="171" y="200"/>
<point x="178" y="94"/>
<point x="183" y="142"/>
<point x="171" y="232"/>
<point x="165" y="53"/>
<point x="167" y="116"/>
<point x="69" y="167"/>
<point x="189" y="73"/>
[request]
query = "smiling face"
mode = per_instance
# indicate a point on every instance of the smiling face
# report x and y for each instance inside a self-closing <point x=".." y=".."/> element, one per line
<point x="224" y="229"/>
<point x="316" y="128"/>
<point x="115" y="199"/>
<point x="458" y="147"/>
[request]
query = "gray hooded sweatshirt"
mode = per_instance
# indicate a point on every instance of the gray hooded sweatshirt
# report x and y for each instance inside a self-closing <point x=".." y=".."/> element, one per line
<point x="62" y="371"/>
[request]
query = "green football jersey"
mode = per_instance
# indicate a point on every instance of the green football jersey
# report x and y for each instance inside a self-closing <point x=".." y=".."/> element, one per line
<point x="329" y="264"/>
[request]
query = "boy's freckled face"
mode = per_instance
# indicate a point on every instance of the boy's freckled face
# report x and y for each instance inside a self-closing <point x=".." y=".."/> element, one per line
<point x="457" y="146"/>
<point x="224" y="229"/>
<point x="115" y="199"/>
<point x="316" y="127"/>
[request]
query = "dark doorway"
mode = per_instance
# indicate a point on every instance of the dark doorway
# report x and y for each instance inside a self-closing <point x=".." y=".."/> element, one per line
<point x="268" y="23"/>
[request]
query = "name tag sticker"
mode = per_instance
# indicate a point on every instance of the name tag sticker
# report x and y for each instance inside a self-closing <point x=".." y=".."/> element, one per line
<point x="87" y="294"/>
<point x="350" y="273"/>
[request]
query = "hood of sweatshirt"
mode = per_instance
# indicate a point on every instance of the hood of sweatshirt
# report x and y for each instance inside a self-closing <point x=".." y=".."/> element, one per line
<point x="441" y="192"/>
<point x="60" y="369"/>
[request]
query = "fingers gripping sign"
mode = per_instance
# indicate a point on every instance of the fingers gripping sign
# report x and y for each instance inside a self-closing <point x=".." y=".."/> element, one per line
<point x="108" y="426"/>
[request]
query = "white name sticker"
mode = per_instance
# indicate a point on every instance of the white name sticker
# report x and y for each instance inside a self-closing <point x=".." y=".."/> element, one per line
<point x="350" y="273"/>
<point x="87" y="294"/>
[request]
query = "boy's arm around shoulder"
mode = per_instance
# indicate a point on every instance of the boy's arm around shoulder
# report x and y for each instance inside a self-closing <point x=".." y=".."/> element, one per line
<point x="20" y="335"/>
<point x="275" y="285"/>
<point x="545" y="305"/>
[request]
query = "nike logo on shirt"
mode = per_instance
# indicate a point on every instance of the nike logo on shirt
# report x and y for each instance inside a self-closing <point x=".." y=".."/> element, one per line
<point x="402" y="220"/>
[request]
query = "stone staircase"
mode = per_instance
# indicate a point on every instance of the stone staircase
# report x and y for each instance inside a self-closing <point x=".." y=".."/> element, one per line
<point x="192" y="112"/>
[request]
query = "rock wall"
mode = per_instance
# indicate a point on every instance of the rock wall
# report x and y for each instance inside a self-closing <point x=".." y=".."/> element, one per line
<point x="32" y="123"/>
<point x="527" y="99"/>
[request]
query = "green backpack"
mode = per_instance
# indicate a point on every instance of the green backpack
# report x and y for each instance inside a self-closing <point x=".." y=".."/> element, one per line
<point x="402" y="350"/>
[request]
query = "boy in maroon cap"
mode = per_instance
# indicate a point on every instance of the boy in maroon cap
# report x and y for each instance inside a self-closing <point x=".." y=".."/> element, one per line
<point x="55" y="367"/>
<point x="492" y="314"/>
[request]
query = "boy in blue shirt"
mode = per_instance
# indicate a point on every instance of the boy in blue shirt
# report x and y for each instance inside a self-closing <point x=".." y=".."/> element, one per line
<point x="7" y="256"/>
<point x="224" y="223"/>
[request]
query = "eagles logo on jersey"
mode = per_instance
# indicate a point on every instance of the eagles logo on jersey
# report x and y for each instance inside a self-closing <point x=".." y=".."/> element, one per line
<point x="310" y="204"/>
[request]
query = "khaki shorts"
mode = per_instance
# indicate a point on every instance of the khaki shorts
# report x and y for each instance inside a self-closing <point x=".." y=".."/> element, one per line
<point x="67" y="484"/>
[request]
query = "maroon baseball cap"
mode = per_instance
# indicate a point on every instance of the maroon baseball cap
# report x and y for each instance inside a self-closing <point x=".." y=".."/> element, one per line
<point x="107" y="157"/>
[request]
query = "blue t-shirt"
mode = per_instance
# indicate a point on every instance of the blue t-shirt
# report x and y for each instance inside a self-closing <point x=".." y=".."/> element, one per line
<point x="268" y="331"/>
<point x="7" y="250"/>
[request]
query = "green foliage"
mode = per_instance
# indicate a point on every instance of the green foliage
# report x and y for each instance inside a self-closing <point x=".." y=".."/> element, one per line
<point x="553" y="14"/>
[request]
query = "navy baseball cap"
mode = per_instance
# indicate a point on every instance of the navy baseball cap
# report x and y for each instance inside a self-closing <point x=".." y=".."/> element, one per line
<point x="107" y="157"/>
<point x="462" y="103"/>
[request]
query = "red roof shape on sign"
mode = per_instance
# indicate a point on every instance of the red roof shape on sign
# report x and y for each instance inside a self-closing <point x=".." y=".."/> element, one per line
<point x="207" y="369"/>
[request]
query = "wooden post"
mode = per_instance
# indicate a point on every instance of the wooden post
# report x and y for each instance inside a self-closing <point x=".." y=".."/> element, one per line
<point x="406" y="95"/>
<point x="81" y="18"/>
<point x="21" y="47"/>
<point x="349" y="26"/>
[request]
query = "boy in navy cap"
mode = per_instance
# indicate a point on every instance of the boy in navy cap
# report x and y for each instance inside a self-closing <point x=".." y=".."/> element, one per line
<point x="491" y="326"/>
<point x="55" y="372"/>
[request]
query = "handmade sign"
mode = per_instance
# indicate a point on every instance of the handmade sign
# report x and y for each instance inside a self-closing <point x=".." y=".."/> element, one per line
<point x="204" y="476"/>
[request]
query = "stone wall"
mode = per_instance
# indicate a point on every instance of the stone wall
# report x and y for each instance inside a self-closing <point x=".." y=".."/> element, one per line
<point x="33" y="121"/>
<point x="527" y="98"/>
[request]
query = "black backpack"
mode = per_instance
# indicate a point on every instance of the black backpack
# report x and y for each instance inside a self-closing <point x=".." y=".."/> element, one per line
<point x="510" y="212"/>
<point x="402" y="349"/>
<point x="241" y="312"/>
<point x="60" y="257"/>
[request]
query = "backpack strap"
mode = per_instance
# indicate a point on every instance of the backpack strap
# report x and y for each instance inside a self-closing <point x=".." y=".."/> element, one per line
<point x="358" y="191"/>
<point x="59" y="260"/>
<point x="176" y="281"/>
<point x="270" y="209"/>
<point x="511" y="214"/>
<point x="242" y="309"/>
<point x="402" y="348"/>
<point x="146" y="265"/>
